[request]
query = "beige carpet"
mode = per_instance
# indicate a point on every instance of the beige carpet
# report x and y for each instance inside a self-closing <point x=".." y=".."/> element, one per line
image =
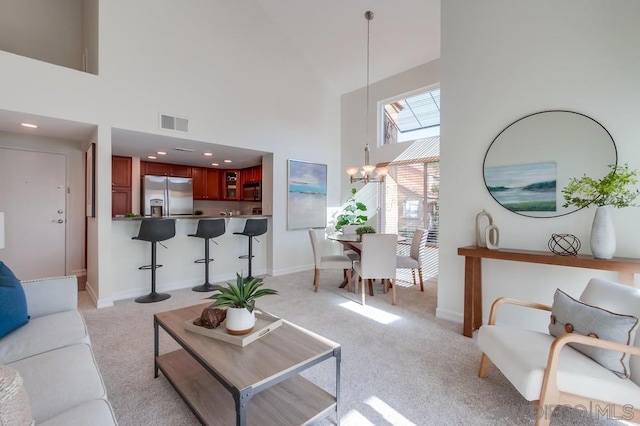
<point x="400" y="365"/>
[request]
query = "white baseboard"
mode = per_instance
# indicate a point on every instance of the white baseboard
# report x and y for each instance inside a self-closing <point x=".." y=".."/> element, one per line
<point x="79" y="272"/>
<point x="449" y="315"/>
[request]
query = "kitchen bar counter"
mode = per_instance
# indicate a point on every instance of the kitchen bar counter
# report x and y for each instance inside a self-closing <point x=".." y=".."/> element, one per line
<point x="235" y="216"/>
<point x="179" y="270"/>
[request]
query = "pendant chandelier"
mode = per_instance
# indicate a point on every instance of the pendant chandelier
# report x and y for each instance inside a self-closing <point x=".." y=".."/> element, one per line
<point x="367" y="172"/>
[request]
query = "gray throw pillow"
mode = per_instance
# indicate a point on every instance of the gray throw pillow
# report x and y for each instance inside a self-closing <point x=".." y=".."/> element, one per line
<point x="569" y="315"/>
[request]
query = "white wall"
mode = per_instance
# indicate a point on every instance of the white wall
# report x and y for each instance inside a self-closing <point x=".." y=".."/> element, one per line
<point x="219" y="63"/>
<point x="49" y="31"/>
<point x="502" y="60"/>
<point x="75" y="182"/>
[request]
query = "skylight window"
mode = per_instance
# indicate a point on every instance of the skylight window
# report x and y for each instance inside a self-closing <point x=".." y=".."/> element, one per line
<point x="412" y="117"/>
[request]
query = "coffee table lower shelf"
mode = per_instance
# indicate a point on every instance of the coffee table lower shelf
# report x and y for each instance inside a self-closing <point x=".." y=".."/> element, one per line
<point x="295" y="401"/>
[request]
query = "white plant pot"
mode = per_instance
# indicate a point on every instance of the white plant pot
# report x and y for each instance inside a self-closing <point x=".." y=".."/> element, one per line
<point x="603" y="234"/>
<point x="239" y="321"/>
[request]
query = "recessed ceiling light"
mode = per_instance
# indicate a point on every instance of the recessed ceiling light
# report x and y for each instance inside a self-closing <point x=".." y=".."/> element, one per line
<point x="215" y="164"/>
<point x="227" y="161"/>
<point x="208" y="154"/>
<point x="29" y="125"/>
<point x="152" y="157"/>
<point x="161" y="153"/>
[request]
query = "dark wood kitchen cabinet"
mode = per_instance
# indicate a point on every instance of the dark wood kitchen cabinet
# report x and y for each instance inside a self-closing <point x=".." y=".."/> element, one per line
<point x="120" y="185"/>
<point x="164" y="169"/>
<point x="206" y="183"/>
<point x="230" y="184"/>
<point x="252" y="174"/>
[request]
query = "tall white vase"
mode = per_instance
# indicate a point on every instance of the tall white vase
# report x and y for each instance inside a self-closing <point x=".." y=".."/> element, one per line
<point x="603" y="234"/>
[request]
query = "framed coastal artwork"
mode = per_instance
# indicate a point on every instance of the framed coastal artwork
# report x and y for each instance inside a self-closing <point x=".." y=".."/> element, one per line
<point x="306" y="195"/>
<point x="524" y="187"/>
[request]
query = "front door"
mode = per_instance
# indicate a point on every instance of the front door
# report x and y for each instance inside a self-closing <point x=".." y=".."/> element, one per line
<point x="33" y="198"/>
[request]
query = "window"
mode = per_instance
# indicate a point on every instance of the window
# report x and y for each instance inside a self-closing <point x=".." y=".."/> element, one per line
<point x="412" y="117"/>
<point x="410" y="201"/>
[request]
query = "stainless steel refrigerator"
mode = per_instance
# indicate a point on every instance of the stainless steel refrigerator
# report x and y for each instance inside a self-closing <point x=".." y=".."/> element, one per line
<point x="173" y="194"/>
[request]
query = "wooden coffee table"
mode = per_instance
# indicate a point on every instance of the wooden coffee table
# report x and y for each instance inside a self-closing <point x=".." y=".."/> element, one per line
<point x="257" y="384"/>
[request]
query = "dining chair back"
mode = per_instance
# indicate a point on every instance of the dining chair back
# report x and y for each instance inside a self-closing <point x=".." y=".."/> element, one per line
<point x="377" y="261"/>
<point x="413" y="260"/>
<point x="334" y="261"/>
<point x="350" y="230"/>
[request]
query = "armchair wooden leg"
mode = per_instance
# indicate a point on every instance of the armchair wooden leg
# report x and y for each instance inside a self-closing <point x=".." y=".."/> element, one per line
<point x="370" y="281"/>
<point x="484" y="366"/>
<point x="543" y="416"/>
<point x="413" y="275"/>
<point x="316" y="279"/>
<point x="347" y="274"/>
<point x="421" y="281"/>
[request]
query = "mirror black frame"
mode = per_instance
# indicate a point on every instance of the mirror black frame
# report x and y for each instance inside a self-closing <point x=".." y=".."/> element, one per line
<point x="496" y="140"/>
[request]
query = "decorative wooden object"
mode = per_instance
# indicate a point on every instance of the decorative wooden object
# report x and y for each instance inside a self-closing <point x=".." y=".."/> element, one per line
<point x="626" y="268"/>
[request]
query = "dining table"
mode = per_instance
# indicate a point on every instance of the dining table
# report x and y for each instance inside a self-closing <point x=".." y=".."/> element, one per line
<point x="352" y="242"/>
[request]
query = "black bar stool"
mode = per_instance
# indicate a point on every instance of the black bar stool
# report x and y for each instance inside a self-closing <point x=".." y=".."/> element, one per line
<point x="154" y="231"/>
<point x="207" y="229"/>
<point x="252" y="228"/>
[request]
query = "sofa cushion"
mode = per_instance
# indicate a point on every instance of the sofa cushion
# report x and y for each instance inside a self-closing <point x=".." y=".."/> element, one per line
<point x="13" y="304"/>
<point x="569" y="315"/>
<point x="95" y="413"/>
<point x="521" y="355"/>
<point x="14" y="402"/>
<point x="59" y="380"/>
<point x="44" y="334"/>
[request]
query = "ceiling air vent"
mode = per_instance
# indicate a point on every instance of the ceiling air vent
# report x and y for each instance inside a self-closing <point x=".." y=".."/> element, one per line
<point x="174" y="123"/>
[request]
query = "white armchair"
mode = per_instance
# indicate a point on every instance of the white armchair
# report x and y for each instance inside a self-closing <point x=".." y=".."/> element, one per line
<point x="549" y="372"/>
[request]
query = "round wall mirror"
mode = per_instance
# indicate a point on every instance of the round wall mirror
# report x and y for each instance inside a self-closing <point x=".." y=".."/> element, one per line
<point x="533" y="158"/>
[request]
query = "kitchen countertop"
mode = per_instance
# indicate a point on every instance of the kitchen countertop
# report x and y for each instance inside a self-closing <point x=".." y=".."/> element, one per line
<point x="235" y="216"/>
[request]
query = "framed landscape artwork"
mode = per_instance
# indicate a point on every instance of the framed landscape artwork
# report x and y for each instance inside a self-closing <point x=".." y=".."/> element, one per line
<point x="306" y="195"/>
<point x="524" y="187"/>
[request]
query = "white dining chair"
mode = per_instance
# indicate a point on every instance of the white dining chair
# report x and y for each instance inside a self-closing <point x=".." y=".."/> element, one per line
<point x="413" y="260"/>
<point x="350" y="230"/>
<point x="377" y="260"/>
<point x="333" y="261"/>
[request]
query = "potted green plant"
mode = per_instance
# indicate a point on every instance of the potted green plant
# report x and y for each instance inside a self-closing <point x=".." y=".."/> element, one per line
<point x="365" y="230"/>
<point x="240" y="299"/>
<point x="613" y="190"/>
<point x="352" y="212"/>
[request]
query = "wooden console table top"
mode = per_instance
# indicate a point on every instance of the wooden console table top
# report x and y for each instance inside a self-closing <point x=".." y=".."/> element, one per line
<point x="626" y="268"/>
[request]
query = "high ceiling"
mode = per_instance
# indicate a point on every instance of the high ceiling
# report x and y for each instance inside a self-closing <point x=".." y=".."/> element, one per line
<point x="330" y="34"/>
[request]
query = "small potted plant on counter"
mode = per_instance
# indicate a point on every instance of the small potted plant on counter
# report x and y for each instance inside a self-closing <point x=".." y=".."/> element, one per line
<point x="240" y="299"/>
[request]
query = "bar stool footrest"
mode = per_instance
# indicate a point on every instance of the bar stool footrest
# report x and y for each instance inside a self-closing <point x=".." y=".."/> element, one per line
<point x="202" y="261"/>
<point x="245" y="256"/>
<point x="149" y="267"/>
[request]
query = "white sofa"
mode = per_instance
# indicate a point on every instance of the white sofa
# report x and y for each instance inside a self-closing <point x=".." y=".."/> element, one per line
<point x="52" y="354"/>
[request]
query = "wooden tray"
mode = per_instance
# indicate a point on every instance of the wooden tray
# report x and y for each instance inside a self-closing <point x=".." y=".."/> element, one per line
<point x="264" y="325"/>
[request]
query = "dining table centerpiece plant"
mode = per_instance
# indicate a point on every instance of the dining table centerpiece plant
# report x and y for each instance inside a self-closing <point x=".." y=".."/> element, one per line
<point x="240" y="299"/>
<point x="353" y="212"/>
<point x="365" y="230"/>
<point x="614" y="190"/>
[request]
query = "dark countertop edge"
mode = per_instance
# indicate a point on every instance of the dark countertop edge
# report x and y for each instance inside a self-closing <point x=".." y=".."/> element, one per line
<point x="239" y="216"/>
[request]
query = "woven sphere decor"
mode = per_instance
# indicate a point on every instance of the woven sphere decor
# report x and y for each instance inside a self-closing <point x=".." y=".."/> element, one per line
<point x="564" y="244"/>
